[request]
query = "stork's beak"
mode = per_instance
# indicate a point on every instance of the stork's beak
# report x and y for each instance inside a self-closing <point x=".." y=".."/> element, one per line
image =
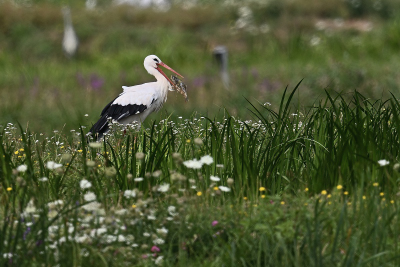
<point x="165" y="66"/>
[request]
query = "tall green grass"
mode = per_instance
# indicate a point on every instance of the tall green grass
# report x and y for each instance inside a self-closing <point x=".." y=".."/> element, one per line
<point x="297" y="188"/>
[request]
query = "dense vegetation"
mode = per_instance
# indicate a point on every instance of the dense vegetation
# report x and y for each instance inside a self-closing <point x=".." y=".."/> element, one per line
<point x="288" y="189"/>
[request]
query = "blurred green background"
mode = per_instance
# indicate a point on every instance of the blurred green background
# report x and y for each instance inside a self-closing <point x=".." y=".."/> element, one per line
<point x="333" y="45"/>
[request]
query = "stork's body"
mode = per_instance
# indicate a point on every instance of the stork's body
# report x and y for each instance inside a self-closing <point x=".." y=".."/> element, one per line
<point x="70" y="41"/>
<point x="135" y="103"/>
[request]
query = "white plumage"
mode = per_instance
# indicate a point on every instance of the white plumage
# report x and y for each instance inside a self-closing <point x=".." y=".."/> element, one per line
<point x="70" y="41"/>
<point x="135" y="103"/>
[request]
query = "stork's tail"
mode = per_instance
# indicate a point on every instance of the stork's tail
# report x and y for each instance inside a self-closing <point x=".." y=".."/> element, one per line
<point x="99" y="129"/>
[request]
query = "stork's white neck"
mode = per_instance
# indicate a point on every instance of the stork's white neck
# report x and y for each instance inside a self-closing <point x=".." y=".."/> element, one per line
<point x="161" y="80"/>
<point x="162" y="84"/>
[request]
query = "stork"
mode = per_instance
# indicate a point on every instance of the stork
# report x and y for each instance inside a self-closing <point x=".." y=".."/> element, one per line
<point x="135" y="103"/>
<point x="221" y="55"/>
<point x="70" y="41"/>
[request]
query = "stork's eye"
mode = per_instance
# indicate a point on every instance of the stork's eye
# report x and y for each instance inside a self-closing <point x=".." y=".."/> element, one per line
<point x="156" y="60"/>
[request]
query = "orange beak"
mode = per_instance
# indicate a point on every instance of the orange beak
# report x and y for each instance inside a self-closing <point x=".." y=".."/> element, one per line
<point x="165" y="66"/>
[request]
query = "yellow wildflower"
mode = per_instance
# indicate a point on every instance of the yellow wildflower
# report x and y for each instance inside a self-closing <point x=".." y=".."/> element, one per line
<point x="262" y="189"/>
<point x="329" y="196"/>
<point x="375" y="184"/>
<point x="245" y="198"/>
<point x="324" y="192"/>
<point x="306" y="189"/>
<point x="199" y="193"/>
<point x="382" y="194"/>
<point x="80" y="150"/>
<point x="133" y="206"/>
<point x="16" y="152"/>
<point x="21" y="149"/>
<point x="188" y="141"/>
<point x="215" y="188"/>
<point x="364" y="197"/>
<point x="9" y="188"/>
<point x="282" y="202"/>
<point x="339" y="187"/>
<point x="262" y="196"/>
<point x="392" y="201"/>
<point x="346" y="193"/>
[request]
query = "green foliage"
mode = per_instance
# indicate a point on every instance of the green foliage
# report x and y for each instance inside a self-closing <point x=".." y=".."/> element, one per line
<point x="284" y="189"/>
<point x="259" y="175"/>
<point x="274" y="44"/>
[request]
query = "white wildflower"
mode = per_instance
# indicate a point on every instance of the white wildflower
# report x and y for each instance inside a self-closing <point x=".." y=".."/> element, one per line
<point x="97" y="232"/>
<point x="146" y="234"/>
<point x="121" y="238"/>
<point x="92" y="206"/>
<point x="159" y="260"/>
<point x="207" y="159"/>
<point x="51" y="165"/>
<point x="7" y="255"/>
<point x="193" y="164"/>
<point x="43" y="179"/>
<point x="151" y="217"/>
<point x="162" y="231"/>
<point x="89" y="196"/>
<point x="138" y="179"/>
<point x="172" y="211"/>
<point x="55" y="203"/>
<point x="110" y="238"/>
<point x="215" y="178"/>
<point x="163" y="188"/>
<point x="383" y="162"/>
<point x="121" y="212"/>
<point x="129" y="193"/>
<point x="81" y="239"/>
<point x="84" y="184"/>
<point x="22" y="168"/>
<point x="158" y="241"/>
<point x="30" y="208"/>
<point x="224" y="188"/>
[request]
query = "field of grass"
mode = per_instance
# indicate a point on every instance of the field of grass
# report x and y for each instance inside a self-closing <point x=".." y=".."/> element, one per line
<point x="308" y="189"/>
<point x="272" y="172"/>
<point x="330" y="46"/>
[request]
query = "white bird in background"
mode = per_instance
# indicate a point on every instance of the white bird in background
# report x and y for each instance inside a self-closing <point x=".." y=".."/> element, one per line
<point x="135" y="103"/>
<point x="70" y="41"/>
<point x="221" y="55"/>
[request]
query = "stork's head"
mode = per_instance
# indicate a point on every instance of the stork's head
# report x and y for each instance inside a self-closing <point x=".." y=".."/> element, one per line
<point x="152" y="64"/>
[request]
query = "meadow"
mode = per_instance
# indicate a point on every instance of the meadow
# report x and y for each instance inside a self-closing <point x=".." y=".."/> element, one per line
<point x="297" y="164"/>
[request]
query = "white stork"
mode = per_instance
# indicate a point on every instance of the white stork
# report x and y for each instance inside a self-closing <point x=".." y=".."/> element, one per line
<point x="70" y="41"/>
<point x="135" y="103"/>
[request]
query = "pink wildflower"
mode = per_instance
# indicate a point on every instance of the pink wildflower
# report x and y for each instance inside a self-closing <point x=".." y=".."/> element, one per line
<point x="155" y="249"/>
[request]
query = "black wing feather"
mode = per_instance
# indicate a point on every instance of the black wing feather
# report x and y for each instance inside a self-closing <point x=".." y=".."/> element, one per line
<point x="116" y="112"/>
